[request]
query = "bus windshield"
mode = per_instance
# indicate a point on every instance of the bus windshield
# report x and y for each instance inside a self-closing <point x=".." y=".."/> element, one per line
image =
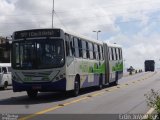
<point x="38" y="54"/>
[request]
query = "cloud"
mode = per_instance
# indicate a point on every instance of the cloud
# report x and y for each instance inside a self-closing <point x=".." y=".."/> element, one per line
<point x="91" y="13"/>
<point x="133" y="24"/>
<point x="139" y="48"/>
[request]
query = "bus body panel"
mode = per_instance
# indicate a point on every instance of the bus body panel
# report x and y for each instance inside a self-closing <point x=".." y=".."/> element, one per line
<point x="51" y="80"/>
<point x="117" y="71"/>
<point x="59" y="85"/>
<point x="88" y="70"/>
<point x="115" y="66"/>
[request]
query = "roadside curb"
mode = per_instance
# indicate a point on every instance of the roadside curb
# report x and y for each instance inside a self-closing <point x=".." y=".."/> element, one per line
<point x="146" y="116"/>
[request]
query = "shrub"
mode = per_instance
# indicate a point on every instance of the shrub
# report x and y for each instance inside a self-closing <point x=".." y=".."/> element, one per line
<point x="153" y="100"/>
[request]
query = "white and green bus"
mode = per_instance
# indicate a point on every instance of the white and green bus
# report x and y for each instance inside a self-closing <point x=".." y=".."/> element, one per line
<point x="55" y="60"/>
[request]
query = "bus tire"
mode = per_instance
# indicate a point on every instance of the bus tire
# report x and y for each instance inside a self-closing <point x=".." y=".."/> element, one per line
<point x="5" y="85"/>
<point x="32" y="93"/>
<point x="76" y="87"/>
<point x="100" y="86"/>
<point x="116" y="80"/>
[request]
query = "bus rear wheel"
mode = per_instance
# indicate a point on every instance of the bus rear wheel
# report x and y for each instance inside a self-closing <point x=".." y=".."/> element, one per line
<point x="115" y="82"/>
<point x="116" y="79"/>
<point x="100" y="86"/>
<point x="76" y="88"/>
<point x="32" y="93"/>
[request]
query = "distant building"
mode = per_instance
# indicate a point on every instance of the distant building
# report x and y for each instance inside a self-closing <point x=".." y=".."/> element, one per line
<point x="5" y="50"/>
<point x="2" y="40"/>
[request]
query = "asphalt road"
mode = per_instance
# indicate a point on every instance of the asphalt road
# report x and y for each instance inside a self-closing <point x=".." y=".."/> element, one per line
<point x="126" y="98"/>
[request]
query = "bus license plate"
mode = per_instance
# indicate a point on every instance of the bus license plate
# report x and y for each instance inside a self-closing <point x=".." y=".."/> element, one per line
<point x="36" y="87"/>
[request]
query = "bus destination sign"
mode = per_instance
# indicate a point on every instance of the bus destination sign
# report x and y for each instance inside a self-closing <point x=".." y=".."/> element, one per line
<point x="37" y="33"/>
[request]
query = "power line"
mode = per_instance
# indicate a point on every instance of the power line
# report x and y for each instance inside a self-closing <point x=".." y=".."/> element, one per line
<point x="60" y="20"/>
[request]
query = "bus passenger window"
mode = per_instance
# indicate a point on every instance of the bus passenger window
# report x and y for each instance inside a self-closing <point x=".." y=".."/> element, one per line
<point x="117" y="54"/>
<point x="80" y="48"/>
<point x="112" y="53"/>
<point x="87" y="50"/>
<point x="67" y="45"/>
<point x="76" y="47"/>
<point x="90" y="50"/>
<point x="102" y="55"/>
<point x="120" y="55"/>
<point x="72" y="49"/>
<point x="84" y="49"/>
<point x="67" y="48"/>
<point x="94" y="51"/>
<point x="99" y="53"/>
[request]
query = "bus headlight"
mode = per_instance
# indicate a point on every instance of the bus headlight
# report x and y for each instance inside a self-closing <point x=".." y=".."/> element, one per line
<point x="16" y="78"/>
<point x="45" y="79"/>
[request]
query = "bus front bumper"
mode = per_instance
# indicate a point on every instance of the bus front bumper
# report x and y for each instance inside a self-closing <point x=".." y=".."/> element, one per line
<point x="59" y="85"/>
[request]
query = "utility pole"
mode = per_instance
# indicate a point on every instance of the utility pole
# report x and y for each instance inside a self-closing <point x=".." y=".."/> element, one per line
<point x="52" y="13"/>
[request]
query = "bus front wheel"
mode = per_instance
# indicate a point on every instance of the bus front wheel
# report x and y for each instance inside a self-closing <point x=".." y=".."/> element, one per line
<point x="32" y="93"/>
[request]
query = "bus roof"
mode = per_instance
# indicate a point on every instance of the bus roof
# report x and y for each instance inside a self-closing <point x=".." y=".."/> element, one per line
<point x="83" y="37"/>
<point x="149" y="61"/>
<point x="77" y="35"/>
<point x="113" y="45"/>
<point x="92" y="40"/>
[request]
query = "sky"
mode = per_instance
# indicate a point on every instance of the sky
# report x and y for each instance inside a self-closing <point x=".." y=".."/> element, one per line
<point x="134" y="24"/>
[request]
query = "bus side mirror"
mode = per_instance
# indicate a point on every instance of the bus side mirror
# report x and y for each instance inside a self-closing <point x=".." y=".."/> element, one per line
<point x="62" y="61"/>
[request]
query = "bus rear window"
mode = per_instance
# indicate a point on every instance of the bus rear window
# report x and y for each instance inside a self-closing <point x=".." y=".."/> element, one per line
<point x="9" y="69"/>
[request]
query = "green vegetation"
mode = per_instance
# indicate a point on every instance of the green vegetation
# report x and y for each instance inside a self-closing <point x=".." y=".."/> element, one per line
<point x="153" y="101"/>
